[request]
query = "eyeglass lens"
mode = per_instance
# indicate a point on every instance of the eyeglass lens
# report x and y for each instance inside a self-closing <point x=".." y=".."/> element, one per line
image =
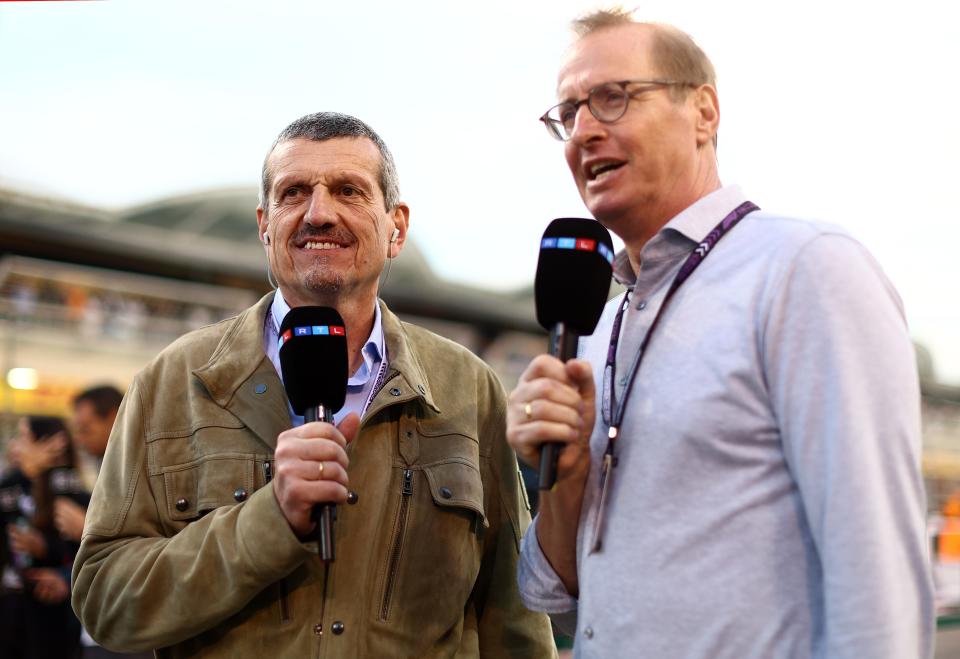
<point x="607" y="103"/>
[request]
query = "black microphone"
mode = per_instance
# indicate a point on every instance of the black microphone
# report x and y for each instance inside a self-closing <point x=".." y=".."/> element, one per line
<point x="571" y="288"/>
<point x="313" y="361"/>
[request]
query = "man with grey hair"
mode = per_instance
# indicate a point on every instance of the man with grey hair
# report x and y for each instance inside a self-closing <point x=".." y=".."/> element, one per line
<point x="199" y="537"/>
<point x="739" y="472"/>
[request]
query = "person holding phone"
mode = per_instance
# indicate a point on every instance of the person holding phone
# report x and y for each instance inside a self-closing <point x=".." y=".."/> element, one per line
<point x="36" y="620"/>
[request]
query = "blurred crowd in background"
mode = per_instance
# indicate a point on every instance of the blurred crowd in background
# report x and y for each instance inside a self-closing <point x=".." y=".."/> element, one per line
<point x="51" y="466"/>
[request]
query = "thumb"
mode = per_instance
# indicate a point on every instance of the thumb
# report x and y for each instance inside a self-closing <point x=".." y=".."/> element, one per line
<point x="581" y="373"/>
<point x="349" y="426"/>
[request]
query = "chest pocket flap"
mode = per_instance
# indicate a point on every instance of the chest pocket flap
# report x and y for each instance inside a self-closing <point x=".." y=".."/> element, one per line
<point x="456" y="484"/>
<point x="196" y="488"/>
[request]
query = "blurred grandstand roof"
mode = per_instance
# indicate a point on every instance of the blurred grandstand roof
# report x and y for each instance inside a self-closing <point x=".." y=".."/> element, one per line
<point x="211" y="237"/>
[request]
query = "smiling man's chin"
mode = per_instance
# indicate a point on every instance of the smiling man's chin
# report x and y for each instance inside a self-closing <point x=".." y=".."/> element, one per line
<point x="324" y="282"/>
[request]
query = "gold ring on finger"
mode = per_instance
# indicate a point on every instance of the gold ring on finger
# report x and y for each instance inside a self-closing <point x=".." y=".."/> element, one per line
<point x="320" y="471"/>
<point x="528" y="410"/>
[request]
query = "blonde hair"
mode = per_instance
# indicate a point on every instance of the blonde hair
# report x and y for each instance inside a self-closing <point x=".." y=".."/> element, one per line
<point x="675" y="54"/>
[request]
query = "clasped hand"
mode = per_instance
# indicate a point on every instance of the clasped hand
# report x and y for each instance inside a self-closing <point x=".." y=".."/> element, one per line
<point x="553" y="402"/>
<point x="311" y="468"/>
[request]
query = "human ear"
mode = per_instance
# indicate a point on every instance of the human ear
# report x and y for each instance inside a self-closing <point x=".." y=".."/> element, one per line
<point x="707" y="105"/>
<point x="398" y="236"/>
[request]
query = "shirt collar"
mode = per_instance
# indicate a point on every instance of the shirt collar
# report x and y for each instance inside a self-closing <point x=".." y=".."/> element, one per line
<point x="372" y="351"/>
<point x="687" y="228"/>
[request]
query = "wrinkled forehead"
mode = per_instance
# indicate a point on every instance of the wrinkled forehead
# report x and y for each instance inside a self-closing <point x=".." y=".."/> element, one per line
<point x="303" y="156"/>
<point x="354" y="150"/>
<point x="610" y="54"/>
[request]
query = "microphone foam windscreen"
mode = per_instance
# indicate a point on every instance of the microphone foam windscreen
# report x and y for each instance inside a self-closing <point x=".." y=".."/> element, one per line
<point x="313" y="358"/>
<point x="573" y="274"/>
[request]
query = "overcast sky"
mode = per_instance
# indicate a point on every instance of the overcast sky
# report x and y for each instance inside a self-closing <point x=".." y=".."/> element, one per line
<point x="842" y="111"/>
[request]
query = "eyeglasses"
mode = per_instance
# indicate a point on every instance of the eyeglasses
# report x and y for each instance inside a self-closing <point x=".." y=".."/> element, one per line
<point x="607" y="102"/>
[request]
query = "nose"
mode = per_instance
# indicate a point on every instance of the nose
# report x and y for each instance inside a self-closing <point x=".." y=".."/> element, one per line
<point x="320" y="209"/>
<point x="586" y="127"/>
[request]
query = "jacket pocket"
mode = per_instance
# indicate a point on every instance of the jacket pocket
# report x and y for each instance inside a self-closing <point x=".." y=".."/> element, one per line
<point x="456" y="484"/>
<point x="195" y="488"/>
<point x="434" y="551"/>
<point x="396" y="543"/>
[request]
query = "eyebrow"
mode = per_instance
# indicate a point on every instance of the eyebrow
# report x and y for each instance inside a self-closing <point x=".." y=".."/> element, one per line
<point x="566" y="99"/>
<point x="286" y="180"/>
<point x="360" y="179"/>
<point x="348" y="176"/>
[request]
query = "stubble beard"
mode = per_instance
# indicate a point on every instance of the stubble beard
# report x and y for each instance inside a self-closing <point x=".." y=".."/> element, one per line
<point x="323" y="282"/>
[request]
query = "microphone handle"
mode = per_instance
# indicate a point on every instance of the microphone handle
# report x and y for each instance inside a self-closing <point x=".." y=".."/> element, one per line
<point x="563" y="345"/>
<point x="323" y="514"/>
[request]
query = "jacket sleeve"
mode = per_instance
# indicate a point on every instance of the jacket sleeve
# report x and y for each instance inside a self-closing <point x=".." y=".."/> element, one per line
<point x="135" y="588"/>
<point x="843" y="385"/>
<point x="506" y="628"/>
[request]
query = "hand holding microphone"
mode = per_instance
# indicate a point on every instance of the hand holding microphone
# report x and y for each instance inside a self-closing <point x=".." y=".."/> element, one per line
<point x="553" y="405"/>
<point x="554" y="401"/>
<point x="300" y="482"/>
<point x="311" y="460"/>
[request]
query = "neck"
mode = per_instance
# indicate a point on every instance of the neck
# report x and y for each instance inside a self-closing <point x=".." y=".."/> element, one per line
<point x="359" y="324"/>
<point x="647" y="226"/>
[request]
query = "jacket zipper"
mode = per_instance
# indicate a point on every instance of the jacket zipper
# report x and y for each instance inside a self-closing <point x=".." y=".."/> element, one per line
<point x="282" y="584"/>
<point x="406" y="493"/>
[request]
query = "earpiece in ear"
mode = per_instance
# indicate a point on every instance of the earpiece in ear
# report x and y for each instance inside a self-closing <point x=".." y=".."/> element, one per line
<point x="394" y="235"/>
<point x="265" y="239"/>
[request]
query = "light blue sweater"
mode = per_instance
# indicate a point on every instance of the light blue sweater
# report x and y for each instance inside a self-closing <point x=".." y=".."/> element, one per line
<point x="768" y="501"/>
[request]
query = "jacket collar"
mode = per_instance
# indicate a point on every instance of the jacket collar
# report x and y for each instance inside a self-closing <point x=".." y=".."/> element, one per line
<point x="406" y="371"/>
<point x="240" y="378"/>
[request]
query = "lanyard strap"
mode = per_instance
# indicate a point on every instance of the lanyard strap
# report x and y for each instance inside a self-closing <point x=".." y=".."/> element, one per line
<point x="612" y="409"/>
<point x="378" y="383"/>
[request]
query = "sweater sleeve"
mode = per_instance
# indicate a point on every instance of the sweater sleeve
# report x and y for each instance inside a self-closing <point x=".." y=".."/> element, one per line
<point x="843" y="386"/>
<point x="541" y="587"/>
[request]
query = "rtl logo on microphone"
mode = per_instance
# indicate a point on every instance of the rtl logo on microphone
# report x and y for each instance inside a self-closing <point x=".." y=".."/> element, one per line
<point x="582" y="244"/>
<point x="312" y="330"/>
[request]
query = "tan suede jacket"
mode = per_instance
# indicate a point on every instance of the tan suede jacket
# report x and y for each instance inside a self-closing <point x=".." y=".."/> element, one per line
<point x="185" y="550"/>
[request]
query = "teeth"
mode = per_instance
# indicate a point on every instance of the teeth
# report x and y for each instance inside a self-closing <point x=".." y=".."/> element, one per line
<point x="599" y="169"/>
<point x="313" y="245"/>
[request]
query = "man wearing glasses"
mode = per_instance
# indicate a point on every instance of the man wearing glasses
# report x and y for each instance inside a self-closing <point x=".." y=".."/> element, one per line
<point x="739" y="473"/>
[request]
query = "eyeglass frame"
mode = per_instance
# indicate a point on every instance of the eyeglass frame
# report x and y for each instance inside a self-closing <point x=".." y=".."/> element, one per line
<point x="556" y="129"/>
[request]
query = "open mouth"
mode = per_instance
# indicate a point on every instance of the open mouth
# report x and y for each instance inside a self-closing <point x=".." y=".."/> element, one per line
<point x="598" y="170"/>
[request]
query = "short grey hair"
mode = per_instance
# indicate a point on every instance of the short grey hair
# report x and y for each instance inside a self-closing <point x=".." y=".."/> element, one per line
<point x="322" y="126"/>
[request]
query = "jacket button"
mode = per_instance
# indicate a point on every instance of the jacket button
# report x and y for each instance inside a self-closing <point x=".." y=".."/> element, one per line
<point x="445" y="492"/>
<point x="352" y="497"/>
<point x="240" y="494"/>
<point x="337" y="627"/>
<point x="588" y="632"/>
<point x="395" y="391"/>
<point x="318" y="629"/>
<point x="182" y="504"/>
